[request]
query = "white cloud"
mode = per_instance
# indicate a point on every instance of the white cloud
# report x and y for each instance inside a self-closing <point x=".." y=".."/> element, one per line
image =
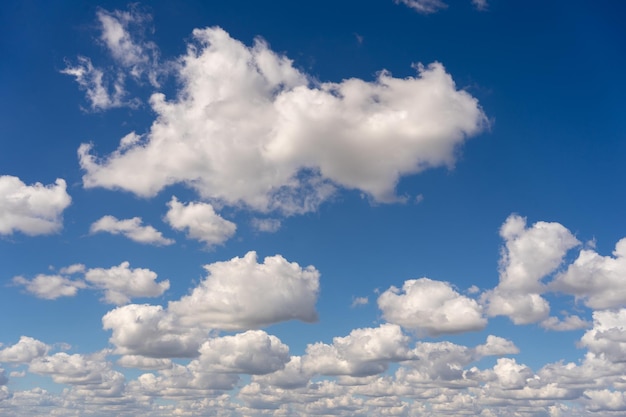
<point x="363" y="352"/>
<point x="433" y="307"/>
<point x="424" y="6"/>
<point x="359" y="301"/>
<point x="529" y="255"/>
<point x="151" y="331"/>
<point x="73" y="369"/>
<point x="144" y="362"/>
<point x="253" y="352"/>
<point x="200" y="221"/>
<point x="568" y="323"/>
<point x="244" y="294"/>
<point x="293" y="138"/>
<point x="600" y="281"/>
<point x="266" y="225"/>
<point x="481" y="5"/>
<point x="606" y="400"/>
<point x="131" y="228"/>
<point x="102" y="93"/>
<point x="496" y="346"/>
<point x="120" y="283"/>
<point x="608" y="335"/>
<point x="122" y="33"/>
<point x="237" y="294"/>
<point x="24" y="351"/>
<point x="31" y="209"/>
<point x="50" y="287"/>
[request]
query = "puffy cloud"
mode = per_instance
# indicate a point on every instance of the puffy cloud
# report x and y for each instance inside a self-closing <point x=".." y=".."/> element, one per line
<point x="50" y="287"/>
<point x="131" y="228"/>
<point x="521" y="308"/>
<point x="31" y="209"/>
<point x="433" y="307"/>
<point x="608" y="335"/>
<point x="120" y="283"/>
<point x="247" y="127"/>
<point x="496" y="346"/>
<point x="244" y="294"/>
<point x="600" y="281"/>
<point x="253" y="352"/>
<point x="606" y="400"/>
<point x="529" y="255"/>
<point x="102" y="92"/>
<point x="424" y="6"/>
<point x="3" y="381"/>
<point x="151" y="331"/>
<point x="363" y="352"/>
<point x="237" y="294"/>
<point x="200" y="221"/>
<point x="24" y="351"/>
<point x="73" y="369"/>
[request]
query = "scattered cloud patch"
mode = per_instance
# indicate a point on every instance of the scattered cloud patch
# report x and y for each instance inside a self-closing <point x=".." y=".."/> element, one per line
<point x="50" y="287"/>
<point x="480" y="5"/>
<point x="200" y="221"/>
<point x="359" y="301"/>
<point x="24" y="351"/>
<point x="266" y="225"/>
<point x="432" y="307"/>
<point x="31" y="209"/>
<point x="132" y="229"/>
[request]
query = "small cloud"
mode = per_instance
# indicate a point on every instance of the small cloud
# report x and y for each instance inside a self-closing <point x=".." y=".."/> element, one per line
<point x="266" y="225"/>
<point x="419" y="198"/>
<point x="132" y="229"/>
<point x="424" y="6"/>
<point x="359" y="301"/>
<point x="480" y="5"/>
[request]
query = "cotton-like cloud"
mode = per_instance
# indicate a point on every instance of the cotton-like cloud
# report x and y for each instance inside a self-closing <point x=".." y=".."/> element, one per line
<point x="73" y="369"/>
<point x="247" y="127"/>
<point x="253" y="352"/>
<point x="600" y="281"/>
<point x="424" y="6"/>
<point x="31" y="209"/>
<point x="529" y="255"/>
<point x="433" y="307"/>
<point x="608" y="335"/>
<point x="130" y="228"/>
<point x="200" y="221"/>
<point x="145" y="330"/>
<point x="120" y="283"/>
<point x="236" y="295"/>
<point x="50" y="287"/>
<point x="24" y="351"/>
<point x="244" y="294"/>
<point x="363" y="352"/>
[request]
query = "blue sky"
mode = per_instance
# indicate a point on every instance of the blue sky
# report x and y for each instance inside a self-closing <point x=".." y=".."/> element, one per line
<point x="407" y="208"/>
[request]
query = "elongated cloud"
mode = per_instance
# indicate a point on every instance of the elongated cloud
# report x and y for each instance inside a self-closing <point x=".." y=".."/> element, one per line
<point x="130" y="228"/>
<point x="248" y="128"/>
<point x="31" y="209"/>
